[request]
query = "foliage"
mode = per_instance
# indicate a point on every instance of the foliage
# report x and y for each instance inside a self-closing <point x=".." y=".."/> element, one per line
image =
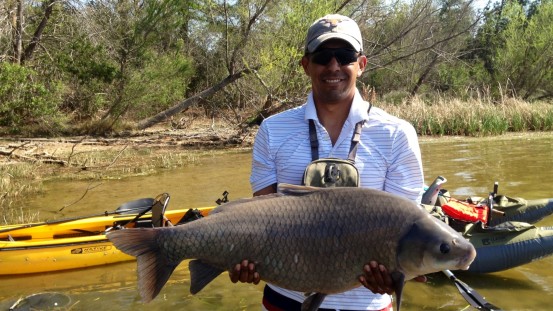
<point x="161" y="82"/>
<point x="525" y="62"/>
<point x="105" y="63"/>
<point x="88" y="74"/>
<point x="459" y="79"/>
<point x="515" y="44"/>
<point x="26" y="101"/>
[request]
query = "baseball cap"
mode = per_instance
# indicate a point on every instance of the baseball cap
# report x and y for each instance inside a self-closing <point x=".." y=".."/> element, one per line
<point x="333" y="26"/>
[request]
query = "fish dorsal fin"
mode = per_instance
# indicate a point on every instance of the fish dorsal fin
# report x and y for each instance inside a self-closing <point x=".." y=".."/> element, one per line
<point x="240" y="202"/>
<point x="282" y="189"/>
<point x="201" y="274"/>
<point x="313" y="302"/>
<point x="399" y="282"/>
<point x="290" y="189"/>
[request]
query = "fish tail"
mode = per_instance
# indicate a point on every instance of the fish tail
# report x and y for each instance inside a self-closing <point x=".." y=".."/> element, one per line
<point x="153" y="267"/>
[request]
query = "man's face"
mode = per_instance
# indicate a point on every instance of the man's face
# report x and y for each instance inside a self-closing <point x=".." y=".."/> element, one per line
<point x="333" y="83"/>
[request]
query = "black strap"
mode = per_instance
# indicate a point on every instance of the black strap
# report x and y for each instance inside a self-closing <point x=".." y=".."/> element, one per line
<point x="354" y="139"/>
<point x="314" y="140"/>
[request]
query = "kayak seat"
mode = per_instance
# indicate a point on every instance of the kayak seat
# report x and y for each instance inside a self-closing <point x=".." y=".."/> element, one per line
<point x="158" y="211"/>
<point x="158" y="218"/>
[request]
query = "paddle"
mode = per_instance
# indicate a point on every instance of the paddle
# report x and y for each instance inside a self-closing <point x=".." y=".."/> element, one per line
<point x="471" y="296"/>
<point x="141" y="206"/>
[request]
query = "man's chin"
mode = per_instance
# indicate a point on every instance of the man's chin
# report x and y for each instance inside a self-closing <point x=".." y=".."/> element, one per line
<point x="334" y="96"/>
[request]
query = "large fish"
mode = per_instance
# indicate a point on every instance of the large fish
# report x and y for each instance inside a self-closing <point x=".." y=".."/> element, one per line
<point x="312" y="240"/>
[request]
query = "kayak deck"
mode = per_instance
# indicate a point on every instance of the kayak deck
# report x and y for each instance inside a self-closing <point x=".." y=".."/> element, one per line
<point x="79" y="243"/>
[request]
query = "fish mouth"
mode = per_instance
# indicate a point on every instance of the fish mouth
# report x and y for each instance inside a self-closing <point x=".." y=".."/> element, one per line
<point x="465" y="261"/>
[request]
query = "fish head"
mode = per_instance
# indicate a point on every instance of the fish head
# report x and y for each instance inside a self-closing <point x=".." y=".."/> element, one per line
<point x="430" y="245"/>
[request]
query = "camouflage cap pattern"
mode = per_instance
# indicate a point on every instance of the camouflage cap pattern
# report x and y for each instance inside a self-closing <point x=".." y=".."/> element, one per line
<point x="333" y="26"/>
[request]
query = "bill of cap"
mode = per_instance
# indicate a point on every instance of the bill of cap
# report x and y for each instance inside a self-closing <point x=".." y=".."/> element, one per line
<point x="315" y="43"/>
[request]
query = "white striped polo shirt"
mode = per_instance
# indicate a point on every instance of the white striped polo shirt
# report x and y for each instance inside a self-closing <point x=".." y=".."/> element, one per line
<point x="388" y="158"/>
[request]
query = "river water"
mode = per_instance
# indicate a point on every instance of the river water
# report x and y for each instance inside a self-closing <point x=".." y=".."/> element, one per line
<point x="521" y="164"/>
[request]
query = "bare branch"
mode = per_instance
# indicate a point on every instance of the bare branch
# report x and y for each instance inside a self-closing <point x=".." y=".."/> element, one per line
<point x="82" y="197"/>
<point x="245" y="35"/>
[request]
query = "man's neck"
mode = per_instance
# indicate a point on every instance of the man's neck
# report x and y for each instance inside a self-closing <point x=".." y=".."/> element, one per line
<point x="332" y="117"/>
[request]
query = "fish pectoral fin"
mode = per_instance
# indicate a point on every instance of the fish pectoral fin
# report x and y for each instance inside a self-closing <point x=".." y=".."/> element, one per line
<point x="201" y="274"/>
<point x="313" y="302"/>
<point x="399" y="283"/>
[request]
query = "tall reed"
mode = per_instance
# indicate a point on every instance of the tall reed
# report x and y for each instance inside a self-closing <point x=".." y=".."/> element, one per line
<point x="440" y="115"/>
<point x="17" y="181"/>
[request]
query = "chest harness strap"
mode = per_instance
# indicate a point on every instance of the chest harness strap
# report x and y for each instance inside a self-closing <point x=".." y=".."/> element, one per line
<point x="354" y="139"/>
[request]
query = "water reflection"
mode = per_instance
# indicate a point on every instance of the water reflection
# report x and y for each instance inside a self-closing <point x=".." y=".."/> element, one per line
<point x="199" y="184"/>
<point x="521" y="166"/>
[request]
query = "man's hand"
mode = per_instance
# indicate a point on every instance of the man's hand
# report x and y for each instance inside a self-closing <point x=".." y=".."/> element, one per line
<point x="378" y="280"/>
<point x="245" y="273"/>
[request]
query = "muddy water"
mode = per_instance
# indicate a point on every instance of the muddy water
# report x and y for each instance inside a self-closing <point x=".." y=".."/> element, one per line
<point x="523" y="167"/>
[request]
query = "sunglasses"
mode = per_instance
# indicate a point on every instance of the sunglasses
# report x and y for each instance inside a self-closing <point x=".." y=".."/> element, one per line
<point x="343" y="56"/>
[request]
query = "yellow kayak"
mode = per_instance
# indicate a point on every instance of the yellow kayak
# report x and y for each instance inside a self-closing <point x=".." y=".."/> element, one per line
<point x="75" y="243"/>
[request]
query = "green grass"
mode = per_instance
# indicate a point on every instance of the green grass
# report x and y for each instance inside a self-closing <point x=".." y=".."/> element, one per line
<point x="17" y="181"/>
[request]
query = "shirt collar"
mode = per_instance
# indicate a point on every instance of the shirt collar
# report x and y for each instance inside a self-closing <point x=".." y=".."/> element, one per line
<point x="358" y="111"/>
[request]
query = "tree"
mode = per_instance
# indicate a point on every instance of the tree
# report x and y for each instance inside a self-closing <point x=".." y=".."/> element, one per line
<point x="116" y="62"/>
<point x="514" y="46"/>
<point x="409" y="42"/>
<point x="524" y="63"/>
<point x="150" y="61"/>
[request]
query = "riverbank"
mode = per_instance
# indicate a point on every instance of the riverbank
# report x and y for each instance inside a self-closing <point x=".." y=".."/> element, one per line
<point x="26" y="163"/>
<point x="83" y="152"/>
<point x="198" y="135"/>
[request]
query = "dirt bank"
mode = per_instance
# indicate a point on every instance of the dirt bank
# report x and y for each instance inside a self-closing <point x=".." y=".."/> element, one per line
<point x="198" y="135"/>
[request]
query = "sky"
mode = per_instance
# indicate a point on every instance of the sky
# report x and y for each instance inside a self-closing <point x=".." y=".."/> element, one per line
<point x="480" y="4"/>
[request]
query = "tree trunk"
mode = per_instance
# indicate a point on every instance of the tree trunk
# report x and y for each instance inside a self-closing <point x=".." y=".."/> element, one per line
<point x="49" y="6"/>
<point x="146" y="123"/>
<point x="18" y="40"/>
<point x="423" y="76"/>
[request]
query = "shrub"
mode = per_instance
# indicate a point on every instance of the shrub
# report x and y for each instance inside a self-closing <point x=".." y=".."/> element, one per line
<point x="27" y="101"/>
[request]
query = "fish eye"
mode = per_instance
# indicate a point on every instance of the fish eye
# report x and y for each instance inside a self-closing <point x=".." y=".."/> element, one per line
<point x="445" y="248"/>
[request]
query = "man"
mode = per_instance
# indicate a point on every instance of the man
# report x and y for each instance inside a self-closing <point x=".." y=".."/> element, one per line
<point x="387" y="158"/>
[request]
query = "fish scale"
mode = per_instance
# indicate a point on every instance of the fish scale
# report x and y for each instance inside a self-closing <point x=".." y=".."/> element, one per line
<point x="308" y="240"/>
<point x="292" y="232"/>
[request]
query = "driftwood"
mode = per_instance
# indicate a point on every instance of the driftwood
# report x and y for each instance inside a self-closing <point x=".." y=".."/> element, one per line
<point x="47" y="150"/>
<point x="26" y="152"/>
<point x="37" y="157"/>
<point x="164" y="115"/>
